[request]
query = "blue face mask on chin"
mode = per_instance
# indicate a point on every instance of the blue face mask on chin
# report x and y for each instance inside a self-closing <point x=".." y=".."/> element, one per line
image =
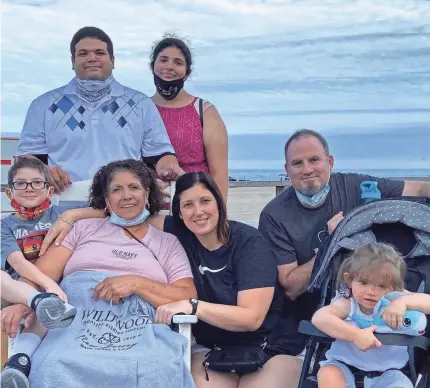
<point x="117" y="220"/>
<point x="315" y="200"/>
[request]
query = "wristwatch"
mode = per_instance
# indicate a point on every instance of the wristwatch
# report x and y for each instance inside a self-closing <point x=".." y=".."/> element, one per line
<point x="194" y="302"/>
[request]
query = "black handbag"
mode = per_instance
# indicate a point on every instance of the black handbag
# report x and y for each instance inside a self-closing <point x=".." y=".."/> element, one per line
<point x="235" y="359"/>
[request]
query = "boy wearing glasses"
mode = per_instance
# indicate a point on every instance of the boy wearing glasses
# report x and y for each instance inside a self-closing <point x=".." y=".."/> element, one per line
<point x="22" y="234"/>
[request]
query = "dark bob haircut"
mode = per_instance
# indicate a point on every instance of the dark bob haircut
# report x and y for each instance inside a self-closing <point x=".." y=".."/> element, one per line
<point x="172" y="41"/>
<point x="91" y="32"/>
<point x="103" y="178"/>
<point x="191" y="179"/>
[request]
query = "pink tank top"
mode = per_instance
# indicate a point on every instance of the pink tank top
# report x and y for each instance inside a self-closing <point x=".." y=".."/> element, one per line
<point x="186" y="135"/>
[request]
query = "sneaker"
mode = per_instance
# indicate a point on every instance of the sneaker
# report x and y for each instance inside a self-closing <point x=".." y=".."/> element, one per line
<point x="16" y="371"/>
<point x="51" y="311"/>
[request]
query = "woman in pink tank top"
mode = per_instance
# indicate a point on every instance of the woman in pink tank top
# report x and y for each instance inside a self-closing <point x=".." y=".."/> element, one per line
<point x="195" y="128"/>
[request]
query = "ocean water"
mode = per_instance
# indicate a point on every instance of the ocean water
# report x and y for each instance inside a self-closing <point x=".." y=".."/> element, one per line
<point x="279" y="174"/>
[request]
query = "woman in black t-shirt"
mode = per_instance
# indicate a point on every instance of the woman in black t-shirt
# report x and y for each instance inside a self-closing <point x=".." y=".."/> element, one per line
<point x="235" y="274"/>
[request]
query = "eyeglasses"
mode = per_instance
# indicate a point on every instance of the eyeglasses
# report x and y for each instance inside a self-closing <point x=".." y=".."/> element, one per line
<point x="35" y="185"/>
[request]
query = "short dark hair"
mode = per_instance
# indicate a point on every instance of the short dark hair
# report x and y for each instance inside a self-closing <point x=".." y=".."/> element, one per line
<point x="171" y="40"/>
<point x="305" y="133"/>
<point x="104" y="176"/>
<point x="27" y="162"/>
<point x="191" y="179"/>
<point x="91" y="32"/>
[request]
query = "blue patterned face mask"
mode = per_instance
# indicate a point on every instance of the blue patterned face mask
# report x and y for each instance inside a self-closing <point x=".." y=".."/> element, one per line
<point x="117" y="220"/>
<point x="93" y="90"/>
<point x="315" y="200"/>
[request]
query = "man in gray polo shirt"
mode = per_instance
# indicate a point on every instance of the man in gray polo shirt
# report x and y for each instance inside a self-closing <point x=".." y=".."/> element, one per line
<point x="94" y="120"/>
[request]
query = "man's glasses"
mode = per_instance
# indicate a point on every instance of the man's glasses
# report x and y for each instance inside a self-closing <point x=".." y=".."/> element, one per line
<point x="35" y="185"/>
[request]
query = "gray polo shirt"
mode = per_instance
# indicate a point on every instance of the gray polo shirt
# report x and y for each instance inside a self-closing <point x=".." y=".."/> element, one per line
<point x="80" y="137"/>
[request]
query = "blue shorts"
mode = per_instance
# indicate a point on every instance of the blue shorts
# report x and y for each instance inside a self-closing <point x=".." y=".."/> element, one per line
<point x="389" y="379"/>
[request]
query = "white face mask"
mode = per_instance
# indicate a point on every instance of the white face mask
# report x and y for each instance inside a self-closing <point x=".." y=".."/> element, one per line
<point x="315" y="200"/>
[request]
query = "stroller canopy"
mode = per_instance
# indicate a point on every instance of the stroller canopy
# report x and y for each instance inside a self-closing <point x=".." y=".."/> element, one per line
<point x="355" y="230"/>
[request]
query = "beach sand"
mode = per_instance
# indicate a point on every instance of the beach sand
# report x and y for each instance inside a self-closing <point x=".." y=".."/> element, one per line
<point x="245" y="203"/>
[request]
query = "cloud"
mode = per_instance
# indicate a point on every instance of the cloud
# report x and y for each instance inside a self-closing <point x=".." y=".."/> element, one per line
<point x="268" y="66"/>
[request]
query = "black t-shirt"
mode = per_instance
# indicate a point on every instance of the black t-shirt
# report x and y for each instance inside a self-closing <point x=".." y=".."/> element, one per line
<point x="294" y="233"/>
<point x="244" y="263"/>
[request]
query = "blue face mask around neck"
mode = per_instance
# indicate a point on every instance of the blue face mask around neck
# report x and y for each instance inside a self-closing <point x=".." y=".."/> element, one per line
<point x="117" y="220"/>
<point x="315" y="200"/>
<point x="93" y="90"/>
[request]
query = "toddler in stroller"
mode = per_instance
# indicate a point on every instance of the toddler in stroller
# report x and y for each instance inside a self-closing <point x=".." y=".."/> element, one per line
<point x="401" y="223"/>
<point x="369" y="274"/>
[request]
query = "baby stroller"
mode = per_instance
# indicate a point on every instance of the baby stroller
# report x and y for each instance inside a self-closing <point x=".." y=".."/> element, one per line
<point x="402" y="223"/>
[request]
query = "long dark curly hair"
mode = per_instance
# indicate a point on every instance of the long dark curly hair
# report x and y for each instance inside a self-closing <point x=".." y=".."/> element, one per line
<point x="102" y="179"/>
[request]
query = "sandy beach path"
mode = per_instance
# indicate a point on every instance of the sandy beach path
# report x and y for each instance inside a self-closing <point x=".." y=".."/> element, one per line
<point x="245" y="203"/>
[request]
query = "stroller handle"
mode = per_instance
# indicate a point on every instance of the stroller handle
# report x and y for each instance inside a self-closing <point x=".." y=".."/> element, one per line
<point x="307" y="328"/>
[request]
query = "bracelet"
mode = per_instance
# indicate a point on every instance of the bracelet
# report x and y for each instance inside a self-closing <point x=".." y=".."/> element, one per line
<point x="66" y="221"/>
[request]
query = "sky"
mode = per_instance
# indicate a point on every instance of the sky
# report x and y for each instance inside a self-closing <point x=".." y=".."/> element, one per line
<point x="355" y="70"/>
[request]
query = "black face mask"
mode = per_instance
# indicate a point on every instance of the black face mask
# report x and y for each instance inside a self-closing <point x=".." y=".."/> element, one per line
<point x="168" y="89"/>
